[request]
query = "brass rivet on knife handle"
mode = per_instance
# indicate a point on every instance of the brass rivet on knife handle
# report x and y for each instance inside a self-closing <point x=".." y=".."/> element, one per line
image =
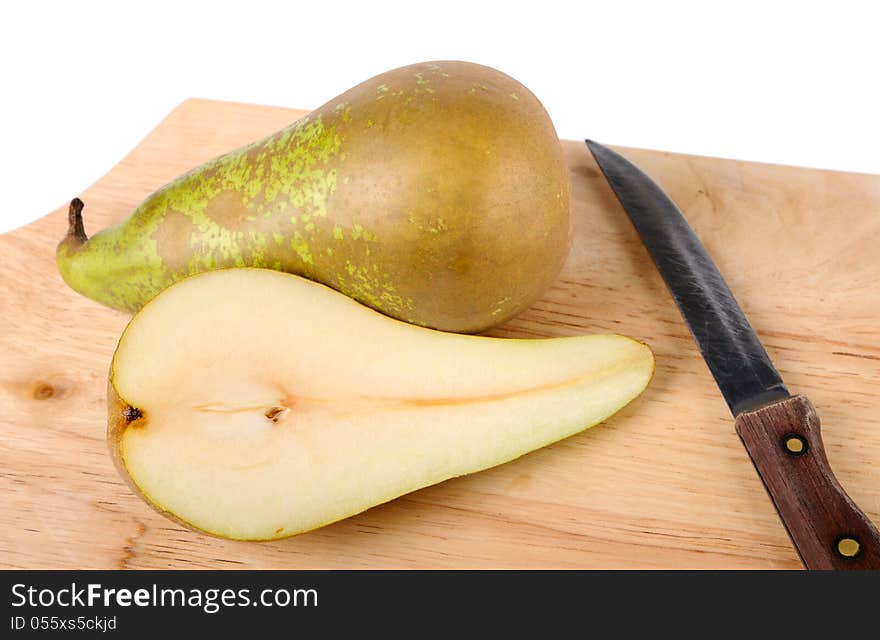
<point x="827" y="528"/>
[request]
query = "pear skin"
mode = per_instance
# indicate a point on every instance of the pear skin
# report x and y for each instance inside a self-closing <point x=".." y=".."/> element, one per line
<point x="435" y="193"/>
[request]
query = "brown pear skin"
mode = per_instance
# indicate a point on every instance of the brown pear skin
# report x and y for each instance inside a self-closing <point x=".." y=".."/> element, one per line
<point x="435" y="193"/>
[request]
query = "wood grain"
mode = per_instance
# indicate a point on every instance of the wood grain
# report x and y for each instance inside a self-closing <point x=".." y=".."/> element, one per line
<point x="665" y="483"/>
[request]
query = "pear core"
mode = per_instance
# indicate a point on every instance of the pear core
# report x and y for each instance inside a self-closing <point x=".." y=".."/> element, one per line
<point x="268" y="405"/>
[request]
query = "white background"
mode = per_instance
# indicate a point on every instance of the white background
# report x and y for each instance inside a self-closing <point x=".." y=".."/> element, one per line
<point x="785" y="82"/>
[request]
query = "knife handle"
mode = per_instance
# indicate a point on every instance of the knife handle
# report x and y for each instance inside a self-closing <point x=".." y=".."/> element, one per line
<point x="828" y="530"/>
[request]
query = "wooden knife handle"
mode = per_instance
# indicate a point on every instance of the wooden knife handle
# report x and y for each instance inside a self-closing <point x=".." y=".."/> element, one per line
<point x="827" y="528"/>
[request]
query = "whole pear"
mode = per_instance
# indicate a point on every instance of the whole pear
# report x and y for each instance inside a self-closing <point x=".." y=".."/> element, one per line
<point x="435" y="193"/>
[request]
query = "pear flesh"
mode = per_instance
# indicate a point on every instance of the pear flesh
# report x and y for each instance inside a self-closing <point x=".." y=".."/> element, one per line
<point x="253" y="404"/>
<point x="437" y="193"/>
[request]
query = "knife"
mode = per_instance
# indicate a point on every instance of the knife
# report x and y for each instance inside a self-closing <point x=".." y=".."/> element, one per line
<point x="780" y="432"/>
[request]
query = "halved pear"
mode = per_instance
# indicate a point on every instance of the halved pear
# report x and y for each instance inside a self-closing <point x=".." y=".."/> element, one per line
<point x="253" y="404"/>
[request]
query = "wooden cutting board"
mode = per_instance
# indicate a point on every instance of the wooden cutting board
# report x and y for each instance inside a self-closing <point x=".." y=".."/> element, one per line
<point x="665" y="483"/>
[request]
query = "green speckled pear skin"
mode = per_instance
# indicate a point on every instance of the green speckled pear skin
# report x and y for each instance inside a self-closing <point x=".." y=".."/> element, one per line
<point x="435" y="193"/>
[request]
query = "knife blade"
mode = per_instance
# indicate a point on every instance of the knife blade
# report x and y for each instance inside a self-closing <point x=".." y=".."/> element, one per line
<point x="780" y="432"/>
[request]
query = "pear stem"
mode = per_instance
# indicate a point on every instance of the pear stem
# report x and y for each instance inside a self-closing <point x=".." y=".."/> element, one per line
<point x="75" y="227"/>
